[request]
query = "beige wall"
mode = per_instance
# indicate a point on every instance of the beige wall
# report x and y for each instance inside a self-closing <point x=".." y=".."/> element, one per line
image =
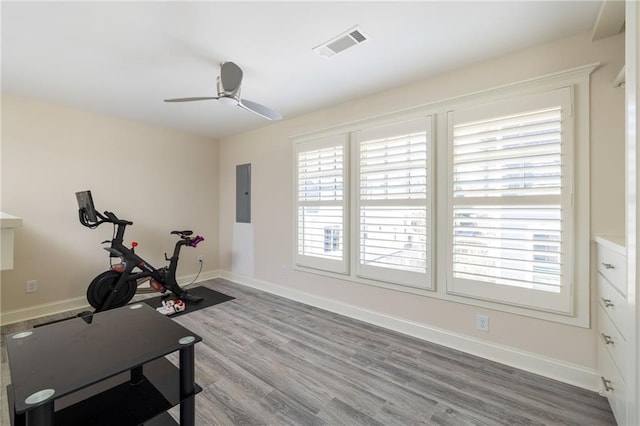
<point x="270" y="152"/>
<point x="159" y="179"/>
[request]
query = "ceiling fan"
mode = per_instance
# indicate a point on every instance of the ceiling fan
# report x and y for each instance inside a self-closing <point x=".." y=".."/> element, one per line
<point x="229" y="82"/>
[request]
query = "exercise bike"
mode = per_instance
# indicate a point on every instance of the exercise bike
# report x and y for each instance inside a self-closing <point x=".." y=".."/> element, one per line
<point x="117" y="286"/>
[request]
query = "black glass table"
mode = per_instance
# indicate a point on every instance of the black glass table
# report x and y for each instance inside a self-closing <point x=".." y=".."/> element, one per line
<point x="107" y="368"/>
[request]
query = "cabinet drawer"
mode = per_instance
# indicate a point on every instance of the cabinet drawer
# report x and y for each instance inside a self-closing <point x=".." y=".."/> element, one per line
<point x="616" y="346"/>
<point x="614" y="304"/>
<point x="613" y="266"/>
<point x="613" y="387"/>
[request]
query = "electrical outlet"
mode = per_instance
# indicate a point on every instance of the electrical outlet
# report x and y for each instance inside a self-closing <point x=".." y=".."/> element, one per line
<point x="482" y="322"/>
<point x="200" y="259"/>
<point x="32" y="286"/>
<point x="283" y="270"/>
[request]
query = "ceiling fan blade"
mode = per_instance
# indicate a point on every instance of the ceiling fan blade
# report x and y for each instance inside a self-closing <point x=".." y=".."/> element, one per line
<point x="230" y="78"/>
<point x="261" y="110"/>
<point x="191" y="99"/>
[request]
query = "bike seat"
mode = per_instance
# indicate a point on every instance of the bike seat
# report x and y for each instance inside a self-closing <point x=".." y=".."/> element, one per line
<point x="186" y="233"/>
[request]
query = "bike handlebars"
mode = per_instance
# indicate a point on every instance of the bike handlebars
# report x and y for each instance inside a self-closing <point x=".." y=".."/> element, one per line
<point x="114" y="219"/>
<point x="197" y="240"/>
<point x="108" y="217"/>
<point x="192" y="242"/>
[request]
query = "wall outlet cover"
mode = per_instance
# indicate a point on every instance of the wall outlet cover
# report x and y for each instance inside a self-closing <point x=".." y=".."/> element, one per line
<point x="482" y="322"/>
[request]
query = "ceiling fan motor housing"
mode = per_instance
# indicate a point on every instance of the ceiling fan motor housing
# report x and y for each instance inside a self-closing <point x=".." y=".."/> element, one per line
<point x="229" y="80"/>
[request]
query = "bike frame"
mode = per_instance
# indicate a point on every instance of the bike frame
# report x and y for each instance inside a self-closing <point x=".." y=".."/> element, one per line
<point x="147" y="270"/>
<point x="165" y="276"/>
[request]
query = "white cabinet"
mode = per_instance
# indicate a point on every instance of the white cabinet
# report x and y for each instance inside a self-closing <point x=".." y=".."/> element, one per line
<point x="8" y="223"/>
<point x="614" y="325"/>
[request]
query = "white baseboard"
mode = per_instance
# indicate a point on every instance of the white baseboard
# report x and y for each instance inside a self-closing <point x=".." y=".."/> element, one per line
<point x="38" y="311"/>
<point x="60" y="306"/>
<point x="573" y="374"/>
<point x="204" y="276"/>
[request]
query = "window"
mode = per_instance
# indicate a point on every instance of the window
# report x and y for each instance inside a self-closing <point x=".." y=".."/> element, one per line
<point x="387" y="205"/>
<point x="393" y="221"/>
<point x="510" y="201"/>
<point x="321" y="204"/>
<point x="332" y="239"/>
<point x="498" y="179"/>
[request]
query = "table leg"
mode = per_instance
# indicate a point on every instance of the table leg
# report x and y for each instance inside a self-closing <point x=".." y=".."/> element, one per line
<point x="18" y="419"/>
<point x="41" y="415"/>
<point x="14" y="419"/>
<point x="187" y="386"/>
<point x="136" y="375"/>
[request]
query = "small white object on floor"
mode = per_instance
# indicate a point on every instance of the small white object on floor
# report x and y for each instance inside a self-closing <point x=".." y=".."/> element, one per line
<point x="170" y="307"/>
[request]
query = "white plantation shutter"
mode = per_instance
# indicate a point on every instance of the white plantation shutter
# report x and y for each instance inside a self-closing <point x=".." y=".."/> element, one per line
<point x="320" y="204"/>
<point x="511" y="201"/>
<point x="506" y="245"/>
<point x="393" y="191"/>
<point x="509" y="156"/>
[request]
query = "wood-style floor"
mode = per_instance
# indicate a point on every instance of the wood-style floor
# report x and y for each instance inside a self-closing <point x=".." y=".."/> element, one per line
<point x="266" y="360"/>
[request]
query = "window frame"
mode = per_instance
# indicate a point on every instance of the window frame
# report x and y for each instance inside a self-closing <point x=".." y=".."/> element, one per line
<point x="316" y="262"/>
<point x="578" y="79"/>
<point x="560" y="302"/>
<point x="394" y="279"/>
<point x="389" y="275"/>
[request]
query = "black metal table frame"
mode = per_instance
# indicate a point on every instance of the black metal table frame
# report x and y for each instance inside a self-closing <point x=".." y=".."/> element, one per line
<point x="43" y="415"/>
<point x="39" y="408"/>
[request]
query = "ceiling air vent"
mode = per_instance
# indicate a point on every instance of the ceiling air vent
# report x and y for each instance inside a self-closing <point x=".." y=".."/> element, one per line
<point x="342" y="42"/>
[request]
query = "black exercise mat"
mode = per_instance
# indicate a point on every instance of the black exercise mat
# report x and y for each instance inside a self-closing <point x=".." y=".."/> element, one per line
<point x="210" y="298"/>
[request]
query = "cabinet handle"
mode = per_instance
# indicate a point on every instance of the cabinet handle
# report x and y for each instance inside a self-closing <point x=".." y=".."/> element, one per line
<point x="607" y="302"/>
<point x="607" y="339"/>
<point x="607" y="384"/>
<point x="608" y="265"/>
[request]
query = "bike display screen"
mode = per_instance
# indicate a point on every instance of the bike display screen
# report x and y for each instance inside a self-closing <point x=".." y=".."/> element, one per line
<point x="85" y="203"/>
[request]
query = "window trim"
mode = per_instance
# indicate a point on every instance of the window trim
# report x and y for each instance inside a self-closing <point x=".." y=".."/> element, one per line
<point x="323" y="264"/>
<point x="402" y="278"/>
<point x="351" y="270"/>
<point x="579" y="79"/>
<point x="527" y="298"/>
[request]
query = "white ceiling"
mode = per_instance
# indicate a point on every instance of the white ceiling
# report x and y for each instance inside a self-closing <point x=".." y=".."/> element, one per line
<point x="124" y="58"/>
